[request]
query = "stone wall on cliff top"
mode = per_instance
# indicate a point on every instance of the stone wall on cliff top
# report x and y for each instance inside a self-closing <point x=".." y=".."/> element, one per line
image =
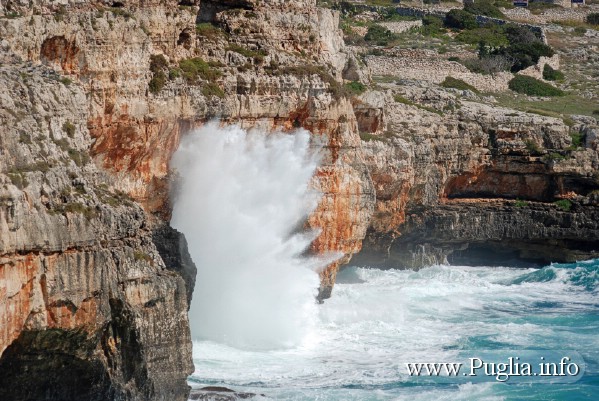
<point x="428" y="65"/>
<point x="89" y="309"/>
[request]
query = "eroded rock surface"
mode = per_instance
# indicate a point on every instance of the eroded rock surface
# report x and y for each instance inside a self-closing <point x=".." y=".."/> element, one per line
<point x="456" y="178"/>
<point x="89" y="309"/>
<point x="89" y="274"/>
<point x="96" y="96"/>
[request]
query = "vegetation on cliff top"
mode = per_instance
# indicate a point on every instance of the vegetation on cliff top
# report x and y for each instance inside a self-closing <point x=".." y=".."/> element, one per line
<point x="455" y="83"/>
<point x="593" y="19"/>
<point x="533" y="87"/>
<point x="551" y="74"/>
<point x="379" y="35"/>
<point x="504" y="47"/>
<point x="484" y="7"/>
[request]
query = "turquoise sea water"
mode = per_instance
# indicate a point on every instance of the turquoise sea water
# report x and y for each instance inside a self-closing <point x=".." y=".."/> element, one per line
<point x="359" y="343"/>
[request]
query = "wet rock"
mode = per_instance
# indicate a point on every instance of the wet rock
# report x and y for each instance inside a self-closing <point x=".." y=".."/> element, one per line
<point x="215" y="393"/>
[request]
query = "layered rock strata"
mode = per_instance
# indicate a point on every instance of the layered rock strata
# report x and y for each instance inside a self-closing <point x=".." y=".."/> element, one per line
<point x="96" y="285"/>
<point x="98" y="94"/>
<point x="465" y="180"/>
<point x="89" y="309"/>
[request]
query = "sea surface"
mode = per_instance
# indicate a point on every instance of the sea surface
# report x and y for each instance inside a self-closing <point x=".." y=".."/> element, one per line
<point x="377" y="321"/>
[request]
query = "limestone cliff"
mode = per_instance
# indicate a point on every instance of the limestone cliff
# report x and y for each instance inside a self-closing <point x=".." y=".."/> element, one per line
<point x="469" y="182"/>
<point x="89" y="309"/>
<point x="99" y="94"/>
<point x="273" y="64"/>
<point x="96" y="96"/>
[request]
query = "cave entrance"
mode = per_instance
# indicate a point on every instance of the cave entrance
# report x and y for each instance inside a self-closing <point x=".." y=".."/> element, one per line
<point x="185" y="38"/>
<point x="61" y="363"/>
<point x="209" y="8"/>
<point x="493" y="254"/>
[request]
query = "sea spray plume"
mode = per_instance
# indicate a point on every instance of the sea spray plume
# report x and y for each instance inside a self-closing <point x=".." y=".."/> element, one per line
<point x="239" y="199"/>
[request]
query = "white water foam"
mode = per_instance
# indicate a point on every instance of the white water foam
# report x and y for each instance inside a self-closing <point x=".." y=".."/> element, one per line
<point x="239" y="201"/>
<point x="240" y="198"/>
<point x="368" y="330"/>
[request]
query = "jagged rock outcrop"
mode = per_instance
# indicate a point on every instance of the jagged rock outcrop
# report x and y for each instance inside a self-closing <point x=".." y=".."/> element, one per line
<point x="89" y="309"/>
<point x="96" y="286"/>
<point x="464" y="180"/>
<point x="274" y="64"/>
<point x="488" y="232"/>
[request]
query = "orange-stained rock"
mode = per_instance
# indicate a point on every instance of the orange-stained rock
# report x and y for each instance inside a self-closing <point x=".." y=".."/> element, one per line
<point x="84" y="292"/>
<point x="17" y="275"/>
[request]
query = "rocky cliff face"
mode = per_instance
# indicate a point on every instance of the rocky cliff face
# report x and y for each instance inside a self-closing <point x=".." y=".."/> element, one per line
<point x="89" y="308"/>
<point x="272" y="64"/>
<point x="469" y="182"/>
<point x="96" y="288"/>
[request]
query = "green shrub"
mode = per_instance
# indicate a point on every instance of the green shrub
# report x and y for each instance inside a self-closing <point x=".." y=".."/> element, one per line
<point x="80" y="158"/>
<point x="118" y="12"/>
<point x="195" y="68"/>
<point x="500" y="47"/>
<point x="492" y="36"/>
<point x="60" y="14"/>
<point x="158" y="63"/>
<point x="403" y="100"/>
<point x="63" y="144"/>
<point x="432" y="26"/>
<point x="593" y="18"/>
<point x="563" y="204"/>
<point x="533" y="87"/>
<point x="18" y="179"/>
<point x="355" y="88"/>
<point x="551" y="74"/>
<point x="379" y="35"/>
<point x="24" y="138"/>
<point x="157" y="82"/>
<point x="525" y="47"/>
<point x="580" y="31"/>
<point x="211" y="89"/>
<point x="532" y="147"/>
<point x="451" y="82"/>
<point x="553" y="156"/>
<point x="483" y="7"/>
<point x="69" y="128"/>
<point x="460" y="19"/>
<point x="367" y="137"/>
<point x="142" y="256"/>
<point x="77" y="208"/>
<point x="527" y="54"/>
<point x="208" y="31"/>
<point x="257" y="55"/>
<point x="520" y="203"/>
<point x="174" y="73"/>
<point x="578" y="139"/>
